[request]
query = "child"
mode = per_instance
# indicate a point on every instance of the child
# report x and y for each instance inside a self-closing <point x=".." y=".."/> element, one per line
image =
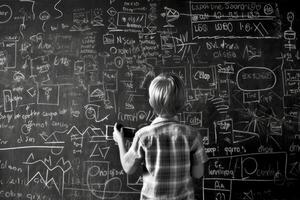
<point x="173" y="153"/>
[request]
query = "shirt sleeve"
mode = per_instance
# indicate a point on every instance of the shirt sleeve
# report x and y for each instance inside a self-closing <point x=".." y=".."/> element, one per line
<point x="135" y="154"/>
<point x="198" y="151"/>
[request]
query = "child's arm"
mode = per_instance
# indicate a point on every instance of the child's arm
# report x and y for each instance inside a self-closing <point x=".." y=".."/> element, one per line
<point x="199" y="157"/>
<point x="197" y="170"/>
<point x="129" y="167"/>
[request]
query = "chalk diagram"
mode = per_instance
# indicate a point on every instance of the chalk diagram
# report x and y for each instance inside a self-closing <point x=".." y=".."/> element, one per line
<point x="49" y="172"/>
<point x="99" y="183"/>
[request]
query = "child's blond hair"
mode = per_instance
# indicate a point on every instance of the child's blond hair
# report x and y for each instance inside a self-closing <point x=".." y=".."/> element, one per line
<point x="166" y="94"/>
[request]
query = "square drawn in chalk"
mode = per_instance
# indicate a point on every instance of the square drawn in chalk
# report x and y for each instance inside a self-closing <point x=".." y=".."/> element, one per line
<point x="224" y="126"/>
<point x="218" y="184"/>
<point x="249" y="97"/>
<point x="193" y="119"/>
<point x="216" y="194"/>
<point x="202" y="78"/>
<point x="108" y="39"/>
<point x="48" y="95"/>
<point x="7" y="100"/>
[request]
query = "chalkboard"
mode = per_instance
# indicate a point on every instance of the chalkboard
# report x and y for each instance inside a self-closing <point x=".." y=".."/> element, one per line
<point x="70" y="69"/>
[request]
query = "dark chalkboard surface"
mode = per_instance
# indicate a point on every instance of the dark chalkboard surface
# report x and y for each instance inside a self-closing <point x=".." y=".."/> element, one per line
<point x="70" y="69"/>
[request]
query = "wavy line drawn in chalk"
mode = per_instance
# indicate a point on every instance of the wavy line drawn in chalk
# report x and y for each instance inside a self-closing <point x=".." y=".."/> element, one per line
<point x="77" y="137"/>
<point x="91" y="131"/>
<point x="22" y="27"/>
<point x="221" y="105"/>
<point x="48" y="172"/>
<point x="61" y="14"/>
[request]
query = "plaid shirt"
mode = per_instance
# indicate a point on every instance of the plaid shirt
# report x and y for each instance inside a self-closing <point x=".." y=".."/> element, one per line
<point x="169" y="149"/>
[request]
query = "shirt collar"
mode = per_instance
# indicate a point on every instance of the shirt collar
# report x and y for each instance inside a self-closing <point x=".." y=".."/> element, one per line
<point x="163" y="119"/>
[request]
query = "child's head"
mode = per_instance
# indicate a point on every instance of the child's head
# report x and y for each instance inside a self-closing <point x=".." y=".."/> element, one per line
<point x="166" y="95"/>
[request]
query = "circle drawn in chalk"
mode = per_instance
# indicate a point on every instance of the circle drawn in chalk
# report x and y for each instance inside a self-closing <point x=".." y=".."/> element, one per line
<point x="118" y="62"/>
<point x="5" y="13"/>
<point x="90" y="113"/>
<point x="268" y="9"/>
<point x="25" y="129"/>
<point x="44" y="15"/>
<point x="94" y="171"/>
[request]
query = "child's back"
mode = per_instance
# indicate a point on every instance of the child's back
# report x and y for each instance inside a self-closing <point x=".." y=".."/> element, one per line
<point x="170" y="150"/>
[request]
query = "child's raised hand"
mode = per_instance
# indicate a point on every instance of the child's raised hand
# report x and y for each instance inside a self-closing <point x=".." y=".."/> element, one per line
<point x="118" y="133"/>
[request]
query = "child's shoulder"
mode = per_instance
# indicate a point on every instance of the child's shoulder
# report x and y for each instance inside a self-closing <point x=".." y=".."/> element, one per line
<point x="143" y="130"/>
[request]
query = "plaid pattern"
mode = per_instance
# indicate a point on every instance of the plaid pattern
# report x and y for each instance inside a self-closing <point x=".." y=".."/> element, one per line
<point x="168" y="149"/>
